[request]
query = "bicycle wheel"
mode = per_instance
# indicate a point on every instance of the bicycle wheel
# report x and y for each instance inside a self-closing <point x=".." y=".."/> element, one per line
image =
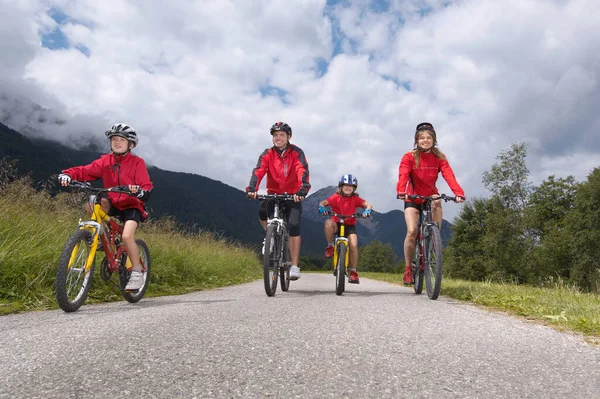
<point x="417" y="272"/>
<point x="284" y="270"/>
<point x="271" y="260"/>
<point x="73" y="281"/>
<point x="433" y="261"/>
<point x="340" y="269"/>
<point x="134" y="296"/>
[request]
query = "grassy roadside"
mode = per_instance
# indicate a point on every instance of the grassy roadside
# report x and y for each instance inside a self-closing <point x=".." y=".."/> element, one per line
<point x="34" y="227"/>
<point x="562" y="307"/>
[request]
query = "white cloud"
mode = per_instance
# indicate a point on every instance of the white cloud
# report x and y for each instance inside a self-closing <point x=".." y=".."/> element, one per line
<point x="189" y="74"/>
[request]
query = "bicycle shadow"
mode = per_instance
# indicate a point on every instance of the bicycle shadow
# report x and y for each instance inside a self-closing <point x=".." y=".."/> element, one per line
<point x="366" y="294"/>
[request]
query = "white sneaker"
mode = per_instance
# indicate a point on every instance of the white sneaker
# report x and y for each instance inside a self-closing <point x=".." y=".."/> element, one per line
<point x="294" y="273"/>
<point x="136" y="281"/>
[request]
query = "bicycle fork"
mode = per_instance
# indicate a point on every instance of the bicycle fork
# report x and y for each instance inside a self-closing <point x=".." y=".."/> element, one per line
<point x="336" y="254"/>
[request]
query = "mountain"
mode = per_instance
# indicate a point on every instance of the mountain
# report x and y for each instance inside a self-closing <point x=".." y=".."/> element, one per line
<point x="198" y="202"/>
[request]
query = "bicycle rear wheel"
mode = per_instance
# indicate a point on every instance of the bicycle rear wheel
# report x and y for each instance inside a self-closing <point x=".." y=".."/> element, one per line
<point x="418" y="272"/>
<point x="73" y="280"/>
<point x="433" y="261"/>
<point x="271" y="260"/>
<point x="134" y="296"/>
<point x="340" y="269"/>
<point x="284" y="270"/>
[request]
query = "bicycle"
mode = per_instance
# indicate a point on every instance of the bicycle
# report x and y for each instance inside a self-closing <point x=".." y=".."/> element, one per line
<point x="276" y="256"/>
<point x="427" y="261"/>
<point x="341" y="249"/>
<point x="77" y="261"/>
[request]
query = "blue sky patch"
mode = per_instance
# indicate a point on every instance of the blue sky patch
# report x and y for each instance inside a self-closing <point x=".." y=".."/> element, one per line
<point x="268" y="90"/>
<point x="399" y="83"/>
<point x="56" y="39"/>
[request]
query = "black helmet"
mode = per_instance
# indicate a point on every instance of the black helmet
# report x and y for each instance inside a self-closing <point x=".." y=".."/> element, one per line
<point x="283" y="127"/>
<point x="425" y="126"/>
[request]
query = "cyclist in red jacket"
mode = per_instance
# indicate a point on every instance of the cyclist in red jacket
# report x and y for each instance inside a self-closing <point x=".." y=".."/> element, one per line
<point x="287" y="173"/>
<point x="418" y="173"/>
<point x="344" y="202"/>
<point x="120" y="168"/>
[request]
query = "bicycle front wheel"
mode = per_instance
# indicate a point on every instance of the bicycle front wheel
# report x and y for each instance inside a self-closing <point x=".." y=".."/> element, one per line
<point x="340" y="269"/>
<point x="135" y="296"/>
<point x="417" y="271"/>
<point x="433" y="261"/>
<point x="284" y="270"/>
<point x="271" y="260"/>
<point x="73" y="278"/>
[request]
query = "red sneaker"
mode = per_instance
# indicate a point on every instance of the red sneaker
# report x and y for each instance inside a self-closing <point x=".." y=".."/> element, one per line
<point x="329" y="251"/>
<point x="354" y="277"/>
<point x="408" y="278"/>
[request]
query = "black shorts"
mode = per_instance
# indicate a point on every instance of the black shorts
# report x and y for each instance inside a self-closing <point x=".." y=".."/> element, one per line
<point x="293" y="212"/>
<point x="123" y="215"/>
<point x="348" y="229"/>
<point x="418" y="207"/>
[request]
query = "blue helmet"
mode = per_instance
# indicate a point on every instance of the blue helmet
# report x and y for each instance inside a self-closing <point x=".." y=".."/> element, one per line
<point x="348" y="179"/>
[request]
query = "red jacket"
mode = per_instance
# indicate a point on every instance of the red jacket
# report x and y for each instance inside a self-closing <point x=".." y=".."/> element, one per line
<point x="345" y="206"/>
<point x="287" y="171"/>
<point x="114" y="170"/>
<point x="421" y="180"/>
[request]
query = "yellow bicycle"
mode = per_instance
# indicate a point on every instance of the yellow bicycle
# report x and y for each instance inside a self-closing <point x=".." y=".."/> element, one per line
<point x="76" y="264"/>
<point x="341" y="249"/>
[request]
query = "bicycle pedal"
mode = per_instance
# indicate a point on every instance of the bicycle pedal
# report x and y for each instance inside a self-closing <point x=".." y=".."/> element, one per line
<point x="133" y="291"/>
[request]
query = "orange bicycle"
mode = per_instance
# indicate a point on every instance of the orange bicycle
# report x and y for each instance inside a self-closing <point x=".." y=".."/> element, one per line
<point x="76" y="263"/>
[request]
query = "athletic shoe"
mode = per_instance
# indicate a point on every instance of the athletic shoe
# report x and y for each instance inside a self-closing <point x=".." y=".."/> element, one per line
<point x="329" y="251"/>
<point x="294" y="273"/>
<point x="354" y="277"/>
<point x="408" y="278"/>
<point x="136" y="281"/>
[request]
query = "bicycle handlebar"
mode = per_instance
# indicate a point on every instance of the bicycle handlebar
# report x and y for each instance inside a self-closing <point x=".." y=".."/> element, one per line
<point x="355" y="215"/>
<point x="281" y="197"/>
<point x="88" y="186"/>
<point x="444" y="197"/>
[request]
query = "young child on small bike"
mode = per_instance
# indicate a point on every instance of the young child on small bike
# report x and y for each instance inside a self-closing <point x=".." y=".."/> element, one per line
<point x="120" y="168"/>
<point x="345" y="202"/>
<point x="417" y="175"/>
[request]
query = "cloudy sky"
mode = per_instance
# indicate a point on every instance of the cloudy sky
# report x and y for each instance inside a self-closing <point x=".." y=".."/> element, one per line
<point x="203" y="81"/>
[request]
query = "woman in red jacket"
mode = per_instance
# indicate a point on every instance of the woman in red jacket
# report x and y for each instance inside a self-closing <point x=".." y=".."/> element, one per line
<point x="120" y="168"/>
<point x="418" y="173"/>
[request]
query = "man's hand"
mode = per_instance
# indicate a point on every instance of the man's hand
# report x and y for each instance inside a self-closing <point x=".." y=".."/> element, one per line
<point x="251" y="194"/>
<point x="401" y="196"/>
<point x="460" y="198"/>
<point x="298" y="198"/>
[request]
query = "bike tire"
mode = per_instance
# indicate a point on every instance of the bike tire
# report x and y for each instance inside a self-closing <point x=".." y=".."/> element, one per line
<point x="417" y="272"/>
<point x="134" y="297"/>
<point x="284" y="271"/>
<point x="433" y="262"/>
<point x="340" y="276"/>
<point x="271" y="261"/>
<point x="73" y="282"/>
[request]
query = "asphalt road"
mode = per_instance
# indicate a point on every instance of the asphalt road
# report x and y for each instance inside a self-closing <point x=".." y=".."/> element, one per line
<point x="378" y="340"/>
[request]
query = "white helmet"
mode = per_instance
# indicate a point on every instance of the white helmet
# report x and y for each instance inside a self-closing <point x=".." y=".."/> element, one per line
<point x="123" y="130"/>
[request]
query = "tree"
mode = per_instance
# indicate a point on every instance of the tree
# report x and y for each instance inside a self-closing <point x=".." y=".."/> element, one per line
<point x="584" y="226"/>
<point x="376" y="257"/>
<point x="508" y="179"/>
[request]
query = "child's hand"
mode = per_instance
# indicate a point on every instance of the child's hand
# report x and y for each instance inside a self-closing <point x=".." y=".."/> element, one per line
<point x="366" y="213"/>
<point x="322" y="210"/>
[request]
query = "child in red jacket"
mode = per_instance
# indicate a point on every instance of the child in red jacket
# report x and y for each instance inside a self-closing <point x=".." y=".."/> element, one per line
<point x="344" y="202"/>
<point x="417" y="175"/>
<point x="120" y="168"/>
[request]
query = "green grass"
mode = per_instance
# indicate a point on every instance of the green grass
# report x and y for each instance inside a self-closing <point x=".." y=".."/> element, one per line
<point x="34" y="227"/>
<point x="560" y="306"/>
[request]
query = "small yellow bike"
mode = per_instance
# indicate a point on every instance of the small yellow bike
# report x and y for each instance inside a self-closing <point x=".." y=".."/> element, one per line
<point x="341" y="249"/>
<point x="76" y="264"/>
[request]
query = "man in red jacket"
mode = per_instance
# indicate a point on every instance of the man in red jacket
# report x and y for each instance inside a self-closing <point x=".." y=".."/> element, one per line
<point x="417" y="175"/>
<point x="287" y="173"/>
<point x="120" y="168"/>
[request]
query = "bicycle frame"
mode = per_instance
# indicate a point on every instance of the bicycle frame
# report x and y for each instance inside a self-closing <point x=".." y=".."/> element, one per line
<point x="341" y="238"/>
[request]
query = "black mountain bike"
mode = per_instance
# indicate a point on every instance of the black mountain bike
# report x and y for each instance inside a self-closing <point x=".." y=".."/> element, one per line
<point x="276" y="256"/>
<point x="428" y="258"/>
